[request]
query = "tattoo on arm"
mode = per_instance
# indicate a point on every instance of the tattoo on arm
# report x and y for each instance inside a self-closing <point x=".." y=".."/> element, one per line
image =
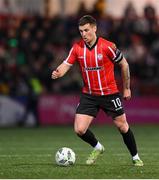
<point x="126" y="77"/>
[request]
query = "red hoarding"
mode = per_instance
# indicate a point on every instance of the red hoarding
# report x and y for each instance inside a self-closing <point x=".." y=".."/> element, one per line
<point x="60" y="110"/>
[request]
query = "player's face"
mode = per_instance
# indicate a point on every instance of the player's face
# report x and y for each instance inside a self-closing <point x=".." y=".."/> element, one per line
<point x="88" y="33"/>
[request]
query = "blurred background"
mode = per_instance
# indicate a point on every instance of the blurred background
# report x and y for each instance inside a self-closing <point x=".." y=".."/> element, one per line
<point x="36" y="36"/>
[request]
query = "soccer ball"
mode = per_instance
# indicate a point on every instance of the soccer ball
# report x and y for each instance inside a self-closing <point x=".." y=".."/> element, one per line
<point x="65" y="157"/>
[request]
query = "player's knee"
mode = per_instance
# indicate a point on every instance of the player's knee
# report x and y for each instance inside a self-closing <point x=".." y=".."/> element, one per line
<point x="121" y="123"/>
<point x="123" y="128"/>
<point x="79" y="130"/>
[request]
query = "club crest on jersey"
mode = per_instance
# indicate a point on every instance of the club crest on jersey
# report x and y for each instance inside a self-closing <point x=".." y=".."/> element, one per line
<point x="100" y="56"/>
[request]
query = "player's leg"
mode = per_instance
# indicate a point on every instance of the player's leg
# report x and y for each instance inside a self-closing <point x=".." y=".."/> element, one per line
<point x="86" y="110"/>
<point x="81" y="126"/>
<point x="112" y="105"/>
<point x="85" y="113"/>
<point x="128" y="137"/>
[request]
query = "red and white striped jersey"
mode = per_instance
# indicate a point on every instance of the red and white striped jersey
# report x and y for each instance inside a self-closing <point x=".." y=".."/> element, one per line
<point x="96" y="65"/>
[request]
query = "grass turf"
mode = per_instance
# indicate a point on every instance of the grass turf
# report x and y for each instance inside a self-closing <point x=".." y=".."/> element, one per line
<point x="29" y="153"/>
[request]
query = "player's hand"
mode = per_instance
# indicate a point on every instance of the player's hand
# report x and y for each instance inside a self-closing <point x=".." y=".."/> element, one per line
<point x="55" y="74"/>
<point x="127" y="94"/>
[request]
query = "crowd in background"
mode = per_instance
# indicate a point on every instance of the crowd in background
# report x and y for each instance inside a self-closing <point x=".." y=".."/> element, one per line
<point x="31" y="47"/>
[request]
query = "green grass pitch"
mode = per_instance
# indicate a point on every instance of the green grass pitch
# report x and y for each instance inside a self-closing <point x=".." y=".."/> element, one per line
<point x="29" y="153"/>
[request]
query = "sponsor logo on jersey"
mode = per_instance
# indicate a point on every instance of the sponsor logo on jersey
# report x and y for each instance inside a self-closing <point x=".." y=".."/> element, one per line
<point x="93" y="68"/>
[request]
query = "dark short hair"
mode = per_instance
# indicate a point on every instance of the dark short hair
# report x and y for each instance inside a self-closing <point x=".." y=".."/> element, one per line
<point x="87" y="19"/>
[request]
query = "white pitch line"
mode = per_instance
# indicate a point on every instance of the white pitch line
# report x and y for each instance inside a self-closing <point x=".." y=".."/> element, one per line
<point x="25" y="155"/>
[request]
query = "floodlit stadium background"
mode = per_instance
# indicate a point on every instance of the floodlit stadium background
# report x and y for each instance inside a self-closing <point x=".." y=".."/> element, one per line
<point x="35" y="37"/>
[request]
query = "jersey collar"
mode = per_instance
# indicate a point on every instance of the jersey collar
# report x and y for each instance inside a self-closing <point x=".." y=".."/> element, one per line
<point x="90" y="48"/>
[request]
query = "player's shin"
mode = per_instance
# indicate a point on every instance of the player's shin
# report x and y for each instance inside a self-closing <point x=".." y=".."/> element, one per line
<point x="89" y="137"/>
<point x="130" y="142"/>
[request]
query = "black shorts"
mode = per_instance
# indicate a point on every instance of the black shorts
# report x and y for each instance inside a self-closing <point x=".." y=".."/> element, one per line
<point x="110" y="104"/>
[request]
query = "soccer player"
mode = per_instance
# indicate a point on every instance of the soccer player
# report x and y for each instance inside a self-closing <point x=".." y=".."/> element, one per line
<point x="97" y="58"/>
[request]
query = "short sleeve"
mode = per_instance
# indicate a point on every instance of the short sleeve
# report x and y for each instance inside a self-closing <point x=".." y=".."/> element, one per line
<point x="72" y="57"/>
<point x="114" y="53"/>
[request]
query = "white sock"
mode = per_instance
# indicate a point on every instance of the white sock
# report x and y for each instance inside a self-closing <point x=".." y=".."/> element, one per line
<point x="135" y="157"/>
<point x="98" y="146"/>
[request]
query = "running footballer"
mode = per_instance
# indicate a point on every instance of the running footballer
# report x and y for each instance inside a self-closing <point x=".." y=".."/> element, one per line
<point x="97" y="57"/>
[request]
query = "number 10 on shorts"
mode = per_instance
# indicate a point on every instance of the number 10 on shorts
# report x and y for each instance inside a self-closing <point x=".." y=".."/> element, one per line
<point x="117" y="103"/>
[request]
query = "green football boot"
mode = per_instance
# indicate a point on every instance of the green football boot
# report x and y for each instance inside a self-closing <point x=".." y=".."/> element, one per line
<point x="138" y="162"/>
<point x="94" y="155"/>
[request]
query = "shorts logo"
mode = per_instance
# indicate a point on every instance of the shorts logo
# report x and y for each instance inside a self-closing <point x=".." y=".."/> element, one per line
<point x="100" y="56"/>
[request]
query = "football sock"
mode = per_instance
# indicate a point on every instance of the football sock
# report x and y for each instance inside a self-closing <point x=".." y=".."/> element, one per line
<point x="129" y="140"/>
<point x="98" y="146"/>
<point x="89" y="138"/>
<point x="135" y="157"/>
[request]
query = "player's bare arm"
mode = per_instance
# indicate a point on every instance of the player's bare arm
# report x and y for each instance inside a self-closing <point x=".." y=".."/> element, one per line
<point x="60" y="71"/>
<point x="126" y="78"/>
